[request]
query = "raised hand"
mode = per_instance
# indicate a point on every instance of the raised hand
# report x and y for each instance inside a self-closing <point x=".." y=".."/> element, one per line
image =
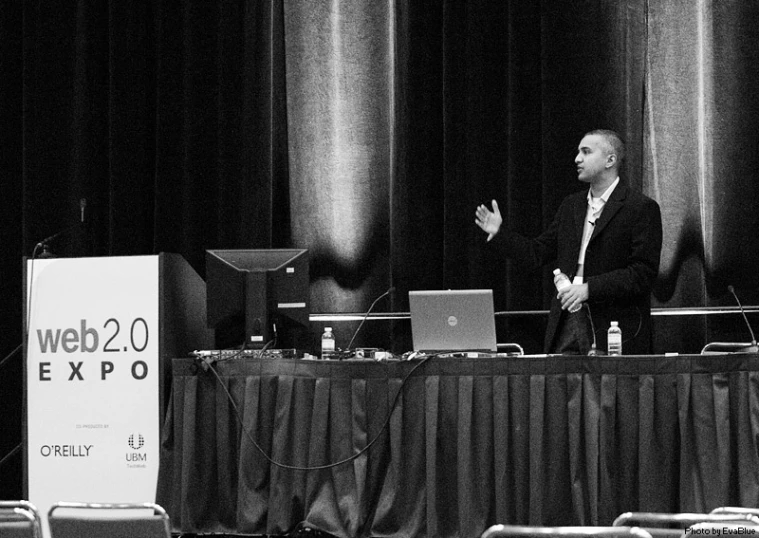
<point x="489" y="221"/>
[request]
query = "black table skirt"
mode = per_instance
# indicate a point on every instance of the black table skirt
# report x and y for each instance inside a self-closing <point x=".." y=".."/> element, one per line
<point x="467" y="443"/>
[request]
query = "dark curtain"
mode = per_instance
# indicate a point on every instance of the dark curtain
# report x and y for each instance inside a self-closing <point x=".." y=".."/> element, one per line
<point x="496" y="96"/>
<point x="368" y="132"/>
<point x="166" y="118"/>
<point x="11" y="386"/>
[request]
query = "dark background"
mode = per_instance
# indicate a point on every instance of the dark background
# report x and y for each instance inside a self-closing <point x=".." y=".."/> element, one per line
<point x="368" y="132"/>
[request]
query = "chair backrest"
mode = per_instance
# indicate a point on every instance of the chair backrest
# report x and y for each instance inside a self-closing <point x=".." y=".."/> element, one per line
<point x="735" y="510"/>
<point x="680" y="521"/>
<point x="518" y="531"/>
<point x="720" y="529"/>
<point x="94" y="520"/>
<point x="728" y="347"/>
<point x="673" y="525"/>
<point x="19" y="519"/>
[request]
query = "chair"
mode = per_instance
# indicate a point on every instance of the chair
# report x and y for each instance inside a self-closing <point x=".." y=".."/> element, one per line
<point x="673" y="525"/>
<point x="19" y="519"/>
<point x="735" y="510"/>
<point x="728" y="347"/>
<point x="92" y="520"/>
<point x="730" y="528"/>
<point x="681" y="521"/>
<point x="517" y="531"/>
<point x="510" y="349"/>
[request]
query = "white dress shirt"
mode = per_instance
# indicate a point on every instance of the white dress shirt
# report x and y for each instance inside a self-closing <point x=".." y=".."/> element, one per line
<point x="595" y="208"/>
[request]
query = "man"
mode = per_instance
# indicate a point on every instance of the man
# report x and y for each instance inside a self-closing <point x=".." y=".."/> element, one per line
<point x="607" y="239"/>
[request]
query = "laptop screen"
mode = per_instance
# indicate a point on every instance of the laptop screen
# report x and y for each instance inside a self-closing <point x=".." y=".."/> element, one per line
<point x="452" y="320"/>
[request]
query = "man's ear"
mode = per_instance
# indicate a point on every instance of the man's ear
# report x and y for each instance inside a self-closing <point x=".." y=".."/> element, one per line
<point x="611" y="160"/>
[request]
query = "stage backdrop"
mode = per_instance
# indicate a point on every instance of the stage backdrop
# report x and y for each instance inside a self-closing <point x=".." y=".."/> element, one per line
<point x="368" y="132"/>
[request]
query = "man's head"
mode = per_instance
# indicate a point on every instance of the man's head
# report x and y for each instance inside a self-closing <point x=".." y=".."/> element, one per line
<point x="599" y="155"/>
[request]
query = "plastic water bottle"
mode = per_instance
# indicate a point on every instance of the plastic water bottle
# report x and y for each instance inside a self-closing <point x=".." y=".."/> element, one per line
<point x="614" y="339"/>
<point x="328" y="344"/>
<point x="561" y="281"/>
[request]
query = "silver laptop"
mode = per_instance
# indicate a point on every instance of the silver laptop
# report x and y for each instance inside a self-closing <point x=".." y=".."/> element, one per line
<point x="452" y="320"/>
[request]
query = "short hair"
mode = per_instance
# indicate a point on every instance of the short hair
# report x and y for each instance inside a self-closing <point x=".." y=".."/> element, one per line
<point x="613" y="140"/>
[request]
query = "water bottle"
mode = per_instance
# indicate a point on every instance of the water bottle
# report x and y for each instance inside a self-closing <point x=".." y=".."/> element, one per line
<point x="328" y="344"/>
<point x="614" y="339"/>
<point x="562" y="281"/>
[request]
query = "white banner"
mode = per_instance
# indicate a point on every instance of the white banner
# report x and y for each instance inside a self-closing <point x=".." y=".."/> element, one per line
<point x="92" y="380"/>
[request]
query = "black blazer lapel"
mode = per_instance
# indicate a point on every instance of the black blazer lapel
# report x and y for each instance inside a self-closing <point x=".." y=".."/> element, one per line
<point x="579" y="212"/>
<point x="615" y="203"/>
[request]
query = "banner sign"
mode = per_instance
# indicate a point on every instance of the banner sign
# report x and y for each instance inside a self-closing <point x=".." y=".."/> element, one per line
<point x="92" y="376"/>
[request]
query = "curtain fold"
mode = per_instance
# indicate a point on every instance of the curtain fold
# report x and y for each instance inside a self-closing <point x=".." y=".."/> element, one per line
<point x="340" y="115"/>
<point x="697" y="162"/>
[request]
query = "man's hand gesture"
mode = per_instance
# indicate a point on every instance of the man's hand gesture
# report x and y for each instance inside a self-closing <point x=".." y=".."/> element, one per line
<point x="489" y="221"/>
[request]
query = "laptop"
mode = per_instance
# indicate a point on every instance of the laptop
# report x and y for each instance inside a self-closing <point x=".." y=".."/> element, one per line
<point x="452" y="321"/>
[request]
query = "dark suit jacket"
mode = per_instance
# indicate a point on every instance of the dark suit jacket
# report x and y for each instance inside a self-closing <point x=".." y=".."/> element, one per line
<point x="621" y="262"/>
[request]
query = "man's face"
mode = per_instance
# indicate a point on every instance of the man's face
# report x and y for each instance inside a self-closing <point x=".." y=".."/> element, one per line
<point x="592" y="158"/>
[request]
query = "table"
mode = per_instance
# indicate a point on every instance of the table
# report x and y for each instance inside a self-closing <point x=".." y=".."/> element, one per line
<point x="458" y="443"/>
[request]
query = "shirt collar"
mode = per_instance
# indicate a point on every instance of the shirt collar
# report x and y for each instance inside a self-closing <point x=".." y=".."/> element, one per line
<point x="607" y="193"/>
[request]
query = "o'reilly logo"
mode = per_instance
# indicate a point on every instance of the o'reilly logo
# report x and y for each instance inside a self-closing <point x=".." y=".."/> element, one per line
<point x="65" y="451"/>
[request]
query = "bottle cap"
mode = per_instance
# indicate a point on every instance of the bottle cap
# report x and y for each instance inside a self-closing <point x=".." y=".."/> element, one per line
<point x="329" y="329"/>
<point x="614" y="323"/>
<point x="556" y="271"/>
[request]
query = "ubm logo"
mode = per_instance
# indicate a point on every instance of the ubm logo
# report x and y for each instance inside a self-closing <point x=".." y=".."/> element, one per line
<point x="136" y="443"/>
<point x="136" y="459"/>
